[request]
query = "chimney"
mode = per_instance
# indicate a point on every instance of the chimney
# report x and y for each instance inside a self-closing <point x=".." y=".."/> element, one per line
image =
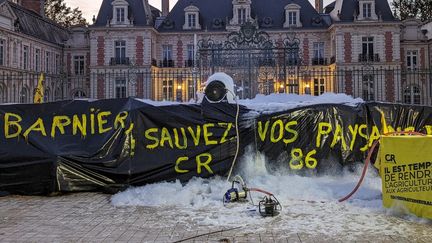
<point x="319" y="6"/>
<point x="37" y="6"/>
<point x="165" y="7"/>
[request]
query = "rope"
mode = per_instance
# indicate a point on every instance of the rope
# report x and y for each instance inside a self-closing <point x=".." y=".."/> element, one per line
<point x="368" y="158"/>
<point x="237" y="135"/>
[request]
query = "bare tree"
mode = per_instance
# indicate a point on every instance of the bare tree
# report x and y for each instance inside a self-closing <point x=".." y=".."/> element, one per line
<point x="58" y="11"/>
<point x="421" y="9"/>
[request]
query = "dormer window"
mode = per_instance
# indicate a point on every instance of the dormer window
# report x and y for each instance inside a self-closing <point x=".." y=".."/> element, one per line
<point x="292" y="16"/>
<point x="191" y="18"/>
<point x="241" y="12"/>
<point x="367" y="10"/>
<point x="120" y="13"/>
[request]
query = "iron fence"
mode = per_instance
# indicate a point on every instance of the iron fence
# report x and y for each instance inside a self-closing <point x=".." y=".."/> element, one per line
<point x="181" y="84"/>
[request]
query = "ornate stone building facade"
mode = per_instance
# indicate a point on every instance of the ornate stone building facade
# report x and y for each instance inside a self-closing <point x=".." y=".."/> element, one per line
<point x="268" y="46"/>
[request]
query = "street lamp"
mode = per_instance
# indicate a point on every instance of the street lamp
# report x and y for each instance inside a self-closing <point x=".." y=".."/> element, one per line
<point x="281" y="88"/>
<point x="307" y="89"/>
<point x="179" y="92"/>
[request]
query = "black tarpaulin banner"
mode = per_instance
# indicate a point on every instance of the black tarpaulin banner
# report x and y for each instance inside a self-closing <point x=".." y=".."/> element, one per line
<point x="105" y="145"/>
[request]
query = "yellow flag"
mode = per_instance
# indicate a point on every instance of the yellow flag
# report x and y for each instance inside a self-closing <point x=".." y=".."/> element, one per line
<point x="39" y="93"/>
<point x="383" y="123"/>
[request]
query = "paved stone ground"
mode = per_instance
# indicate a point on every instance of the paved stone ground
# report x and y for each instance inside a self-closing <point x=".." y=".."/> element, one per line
<point x="89" y="217"/>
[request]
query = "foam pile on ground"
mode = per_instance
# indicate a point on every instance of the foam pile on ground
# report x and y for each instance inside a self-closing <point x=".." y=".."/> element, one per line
<point x="309" y="203"/>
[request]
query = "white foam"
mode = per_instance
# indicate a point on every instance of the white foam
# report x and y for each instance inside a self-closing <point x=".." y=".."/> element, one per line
<point x="278" y="102"/>
<point x="308" y="202"/>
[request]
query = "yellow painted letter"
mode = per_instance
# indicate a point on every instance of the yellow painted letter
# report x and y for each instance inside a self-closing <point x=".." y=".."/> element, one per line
<point x="289" y="130"/>
<point x="177" y="139"/>
<point x="59" y="122"/>
<point x="208" y="134"/>
<point x="151" y="138"/>
<point x="338" y="135"/>
<point x="9" y="124"/>
<point x="102" y="121"/>
<point x="166" y="136"/>
<point x="37" y="126"/>
<point x="81" y="125"/>
<point x="120" y="119"/>
<point x="324" y="128"/>
<point x="273" y="137"/>
<point x="263" y="132"/>
<point x="204" y="164"/>
<point x="195" y="136"/>
<point x="179" y="160"/>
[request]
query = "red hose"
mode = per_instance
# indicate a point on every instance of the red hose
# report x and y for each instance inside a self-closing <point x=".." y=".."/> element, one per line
<point x="259" y="190"/>
<point x="368" y="158"/>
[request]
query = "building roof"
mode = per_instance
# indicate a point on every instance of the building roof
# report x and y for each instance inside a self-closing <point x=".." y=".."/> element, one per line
<point x="136" y="9"/>
<point x="350" y="7"/>
<point x="32" y="24"/>
<point x="270" y="14"/>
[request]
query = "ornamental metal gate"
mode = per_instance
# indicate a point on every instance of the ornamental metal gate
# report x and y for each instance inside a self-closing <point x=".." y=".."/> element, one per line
<point x="256" y="63"/>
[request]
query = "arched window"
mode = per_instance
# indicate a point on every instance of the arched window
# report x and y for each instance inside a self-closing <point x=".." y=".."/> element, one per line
<point x="191" y="18"/>
<point x="78" y="94"/>
<point x="58" y="94"/>
<point x="412" y="95"/>
<point x="292" y="16"/>
<point x="241" y="12"/>
<point x="24" y="95"/>
<point x="120" y="13"/>
<point x="2" y="94"/>
<point x="47" y="95"/>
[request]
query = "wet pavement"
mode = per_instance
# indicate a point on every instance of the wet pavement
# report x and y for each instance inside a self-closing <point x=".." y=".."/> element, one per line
<point x="90" y="217"/>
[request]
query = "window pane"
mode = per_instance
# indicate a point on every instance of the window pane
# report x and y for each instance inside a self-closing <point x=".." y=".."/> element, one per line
<point x="25" y="57"/>
<point x="368" y="87"/>
<point x="120" y="15"/>
<point x="2" y="49"/>
<point x="167" y="90"/>
<point x="166" y="52"/>
<point x="120" y="89"/>
<point x="79" y="65"/>
<point x="37" y="59"/>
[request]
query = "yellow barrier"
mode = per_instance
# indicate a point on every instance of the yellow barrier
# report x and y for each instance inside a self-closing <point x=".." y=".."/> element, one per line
<point x="406" y="172"/>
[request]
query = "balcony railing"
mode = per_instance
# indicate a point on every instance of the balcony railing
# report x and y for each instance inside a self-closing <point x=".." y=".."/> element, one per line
<point x="319" y="61"/>
<point x="166" y="63"/>
<point x="369" y="57"/>
<point x="119" y="61"/>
